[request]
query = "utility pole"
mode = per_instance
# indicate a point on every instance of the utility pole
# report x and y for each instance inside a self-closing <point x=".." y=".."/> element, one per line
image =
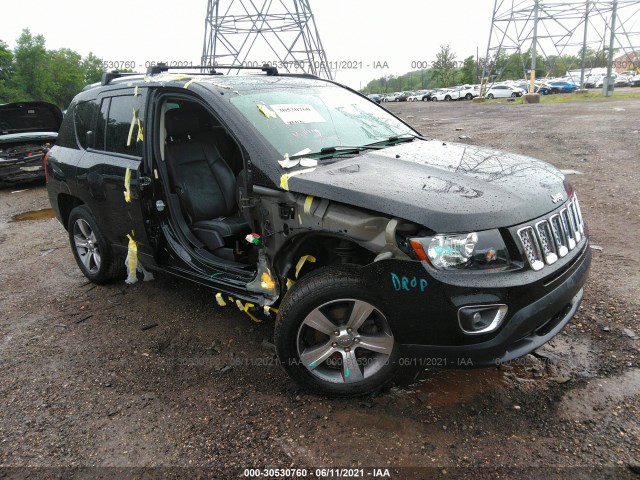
<point x="286" y="28"/>
<point x="584" y="44"/>
<point x="534" y="45"/>
<point x="607" y="90"/>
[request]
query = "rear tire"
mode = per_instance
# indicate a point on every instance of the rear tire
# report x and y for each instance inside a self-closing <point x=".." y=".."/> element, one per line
<point x="92" y="252"/>
<point x="490" y="96"/>
<point x="447" y="98"/>
<point x="331" y="336"/>
<point x="468" y="96"/>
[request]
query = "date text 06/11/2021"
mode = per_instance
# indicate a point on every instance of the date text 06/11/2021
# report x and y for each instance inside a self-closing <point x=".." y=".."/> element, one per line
<point x="316" y="473"/>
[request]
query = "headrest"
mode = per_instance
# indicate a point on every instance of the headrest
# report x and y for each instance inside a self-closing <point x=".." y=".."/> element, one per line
<point x="180" y="122"/>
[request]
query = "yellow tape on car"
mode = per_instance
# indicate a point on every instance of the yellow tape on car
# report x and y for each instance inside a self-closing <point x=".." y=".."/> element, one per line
<point x="127" y="186"/>
<point x="220" y="300"/>
<point x="307" y="204"/>
<point x="132" y="260"/>
<point x="302" y="261"/>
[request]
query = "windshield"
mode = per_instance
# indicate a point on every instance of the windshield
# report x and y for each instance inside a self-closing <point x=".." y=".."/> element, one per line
<point x="313" y="118"/>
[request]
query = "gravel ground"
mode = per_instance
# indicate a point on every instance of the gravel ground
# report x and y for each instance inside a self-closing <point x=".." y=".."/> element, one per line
<point x="156" y="380"/>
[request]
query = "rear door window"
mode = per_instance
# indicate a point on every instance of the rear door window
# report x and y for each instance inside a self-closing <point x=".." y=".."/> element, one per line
<point x="123" y="128"/>
<point x="101" y="126"/>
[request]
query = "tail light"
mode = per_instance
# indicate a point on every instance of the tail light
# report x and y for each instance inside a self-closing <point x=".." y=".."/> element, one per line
<point x="46" y="166"/>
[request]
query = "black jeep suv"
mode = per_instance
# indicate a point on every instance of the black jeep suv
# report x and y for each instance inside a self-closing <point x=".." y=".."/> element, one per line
<point x="377" y="247"/>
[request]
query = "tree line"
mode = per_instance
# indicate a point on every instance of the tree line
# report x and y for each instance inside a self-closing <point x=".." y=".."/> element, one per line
<point x="447" y="71"/>
<point x="32" y="72"/>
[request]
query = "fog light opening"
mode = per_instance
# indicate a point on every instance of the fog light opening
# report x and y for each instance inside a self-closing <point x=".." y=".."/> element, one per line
<point x="479" y="319"/>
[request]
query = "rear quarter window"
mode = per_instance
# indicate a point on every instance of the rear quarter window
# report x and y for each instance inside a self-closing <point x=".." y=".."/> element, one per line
<point x="84" y="119"/>
<point x="66" y="135"/>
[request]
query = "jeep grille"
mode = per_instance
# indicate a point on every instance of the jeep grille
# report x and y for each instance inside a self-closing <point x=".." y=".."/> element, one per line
<point x="553" y="237"/>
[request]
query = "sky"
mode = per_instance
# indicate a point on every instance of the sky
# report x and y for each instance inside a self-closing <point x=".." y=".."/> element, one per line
<point x="363" y="32"/>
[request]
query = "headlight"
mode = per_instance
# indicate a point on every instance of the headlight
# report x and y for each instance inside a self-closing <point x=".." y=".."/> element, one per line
<point x="475" y="250"/>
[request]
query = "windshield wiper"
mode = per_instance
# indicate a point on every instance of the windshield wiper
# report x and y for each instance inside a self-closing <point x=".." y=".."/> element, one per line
<point x="328" y="152"/>
<point x="407" y="137"/>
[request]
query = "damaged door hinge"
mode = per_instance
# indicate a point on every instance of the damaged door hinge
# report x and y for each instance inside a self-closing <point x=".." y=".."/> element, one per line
<point x="144" y="182"/>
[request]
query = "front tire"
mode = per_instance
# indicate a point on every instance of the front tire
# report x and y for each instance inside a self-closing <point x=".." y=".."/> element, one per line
<point x="447" y="98"/>
<point x="91" y="250"/>
<point x="468" y="96"/>
<point x="490" y="96"/>
<point x="332" y="337"/>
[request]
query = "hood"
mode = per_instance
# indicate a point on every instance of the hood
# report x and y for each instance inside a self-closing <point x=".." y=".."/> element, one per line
<point x="446" y="187"/>
<point x="28" y="117"/>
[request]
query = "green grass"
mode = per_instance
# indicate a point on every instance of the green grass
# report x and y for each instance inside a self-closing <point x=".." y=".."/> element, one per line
<point x="570" y="97"/>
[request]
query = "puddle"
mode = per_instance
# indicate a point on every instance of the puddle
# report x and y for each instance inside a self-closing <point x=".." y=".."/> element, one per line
<point x="599" y="395"/>
<point x="34" y="215"/>
<point x="563" y="356"/>
<point x="570" y="355"/>
<point x="446" y="388"/>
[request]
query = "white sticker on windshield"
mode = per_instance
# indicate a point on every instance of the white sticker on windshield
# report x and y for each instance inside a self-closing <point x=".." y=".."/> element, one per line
<point x="294" y="113"/>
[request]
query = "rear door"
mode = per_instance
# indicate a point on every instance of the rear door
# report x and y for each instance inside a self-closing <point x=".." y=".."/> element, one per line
<point x="112" y="171"/>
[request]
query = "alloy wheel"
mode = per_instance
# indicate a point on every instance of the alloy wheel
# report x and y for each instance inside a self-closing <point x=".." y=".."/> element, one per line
<point x="345" y="341"/>
<point x="86" y="245"/>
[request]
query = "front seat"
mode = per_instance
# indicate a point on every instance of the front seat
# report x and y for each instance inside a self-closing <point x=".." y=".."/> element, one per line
<point x="203" y="181"/>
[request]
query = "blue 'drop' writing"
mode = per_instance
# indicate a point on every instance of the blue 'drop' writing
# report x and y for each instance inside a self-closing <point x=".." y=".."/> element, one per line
<point x="407" y="284"/>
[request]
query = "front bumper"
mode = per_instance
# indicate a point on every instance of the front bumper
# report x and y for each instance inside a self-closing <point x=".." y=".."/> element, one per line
<point x="425" y="321"/>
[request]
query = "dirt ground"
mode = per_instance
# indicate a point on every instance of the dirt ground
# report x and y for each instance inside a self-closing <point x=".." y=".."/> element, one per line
<point x="155" y="375"/>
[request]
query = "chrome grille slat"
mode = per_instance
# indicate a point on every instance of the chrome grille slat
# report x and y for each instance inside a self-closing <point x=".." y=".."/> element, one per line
<point x="558" y="234"/>
<point x="543" y="230"/>
<point x="575" y="223"/>
<point x="553" y="237"/>
<point x="578" y="214"/>
<point x="568" y="229"/>
<point x="531" y="247"/>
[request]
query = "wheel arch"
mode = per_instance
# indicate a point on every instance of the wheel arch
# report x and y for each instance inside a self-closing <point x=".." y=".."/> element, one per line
<point x="326" y="248"/>
<point x="66" y="203"/>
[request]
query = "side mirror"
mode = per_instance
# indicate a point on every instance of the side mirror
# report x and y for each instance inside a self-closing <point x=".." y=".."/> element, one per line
<point x="91" y="139"/>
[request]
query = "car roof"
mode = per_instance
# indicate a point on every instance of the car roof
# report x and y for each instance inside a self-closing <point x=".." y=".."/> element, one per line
<point x="235" y="82"/>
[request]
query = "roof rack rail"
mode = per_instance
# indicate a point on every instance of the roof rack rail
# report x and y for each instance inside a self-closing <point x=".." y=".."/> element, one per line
<point x="108" y="76"/>
<point x="301" y="75"/>
<point x="211" y="69"/>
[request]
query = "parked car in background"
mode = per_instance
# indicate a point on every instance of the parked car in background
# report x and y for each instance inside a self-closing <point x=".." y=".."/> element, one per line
<point x="27" y="131"/>
<point x="591" y="80"/>
<point x="426" y="96"/>
<point x="523" y="86"/>
<point x="503" y="91"/>
<point x="391" y="97"/>
<point x="543" y="89"/>
<point x="469" y="92"/>
<point x="623" y="81"/>
<point x="445" y="95"/>
<point x="375" y="97"/>
<point x="635" y="81"/>
<point x="562" y="86"/>
<point x="420" y="96"/>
